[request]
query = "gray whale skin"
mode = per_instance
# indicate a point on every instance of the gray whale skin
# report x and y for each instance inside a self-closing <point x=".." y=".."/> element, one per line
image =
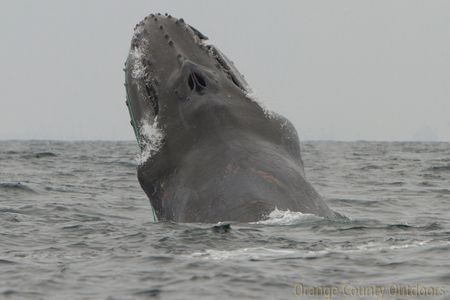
<point x="219" y="155"/>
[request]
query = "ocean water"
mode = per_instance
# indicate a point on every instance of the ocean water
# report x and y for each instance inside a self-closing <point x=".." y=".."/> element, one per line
<point x="75" y="224"/>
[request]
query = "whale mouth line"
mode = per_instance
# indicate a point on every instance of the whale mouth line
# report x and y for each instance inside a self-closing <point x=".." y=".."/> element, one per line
<point x="200" y="35"/>
<point x="227" y="67"/>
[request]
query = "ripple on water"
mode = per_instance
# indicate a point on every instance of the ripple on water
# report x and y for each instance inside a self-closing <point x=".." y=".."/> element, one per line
<point x="15" y="187"/>
<point x="90" y="234"/>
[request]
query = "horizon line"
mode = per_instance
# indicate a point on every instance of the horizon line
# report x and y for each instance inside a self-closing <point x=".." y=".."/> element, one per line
<point x="301" y="141"/>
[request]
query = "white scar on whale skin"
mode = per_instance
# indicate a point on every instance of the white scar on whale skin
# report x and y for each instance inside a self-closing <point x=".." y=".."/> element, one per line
<point x="152" y="140"/>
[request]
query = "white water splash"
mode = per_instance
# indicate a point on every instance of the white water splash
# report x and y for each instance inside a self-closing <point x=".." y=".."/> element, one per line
<point x="251" y="95"/>
<point x="287" y="217"/>
<point x="263" y="253"/>
<point x="138" y="71"/>
<point x="381" y="246"/>
<point x="152" y="137"/>
<point x="244" y="253"/>
<point x="137" y="53"/>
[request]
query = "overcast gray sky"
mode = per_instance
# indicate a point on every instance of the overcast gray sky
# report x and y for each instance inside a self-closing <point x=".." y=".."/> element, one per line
<point x="341" y="70"/>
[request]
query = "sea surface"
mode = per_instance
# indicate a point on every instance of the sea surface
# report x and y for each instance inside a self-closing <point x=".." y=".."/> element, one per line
<point x="75" y="224"/>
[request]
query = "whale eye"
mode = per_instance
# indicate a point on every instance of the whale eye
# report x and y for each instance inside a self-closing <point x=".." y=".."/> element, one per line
<point x="196" y="82"/>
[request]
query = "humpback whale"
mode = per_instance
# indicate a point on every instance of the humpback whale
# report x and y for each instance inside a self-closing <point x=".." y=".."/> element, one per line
<point x="209" y="151"/>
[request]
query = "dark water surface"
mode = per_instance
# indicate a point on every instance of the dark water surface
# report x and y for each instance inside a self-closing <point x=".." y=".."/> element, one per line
<point x="75" y="224"/>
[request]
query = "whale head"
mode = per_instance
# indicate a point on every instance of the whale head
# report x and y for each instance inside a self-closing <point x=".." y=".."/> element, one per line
<point x="176" y="81"/>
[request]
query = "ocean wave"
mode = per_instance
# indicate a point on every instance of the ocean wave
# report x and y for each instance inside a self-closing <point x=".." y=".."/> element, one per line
<point x="38" y="155"/>
<point x="263" y="253"/>
<point x="127" y="163"/>
<point x="382" y="246"/>
<point x="44" y="154"/>
<point x="439" y="168"/>
<point x="287" y="217"/>
<point x="16" y="186"/>
<point x="243" y="253"/>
